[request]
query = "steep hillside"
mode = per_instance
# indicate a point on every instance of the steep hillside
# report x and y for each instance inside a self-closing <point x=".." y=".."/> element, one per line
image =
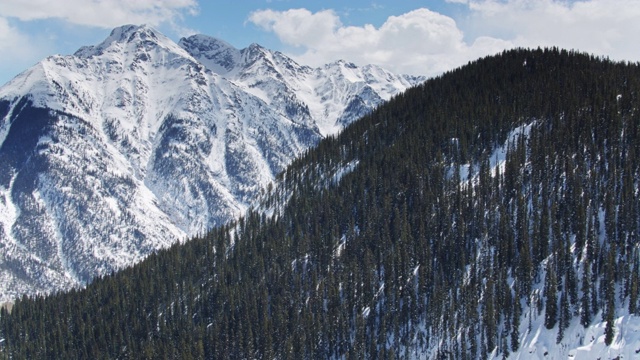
<point x="491" y="212"/>
<point x="133" y="144"/>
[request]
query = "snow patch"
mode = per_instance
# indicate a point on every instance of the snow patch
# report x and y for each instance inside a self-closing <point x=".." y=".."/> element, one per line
<point x="8" y="214"/>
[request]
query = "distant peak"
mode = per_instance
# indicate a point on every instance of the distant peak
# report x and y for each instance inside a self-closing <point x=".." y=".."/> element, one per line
<point x="122" y="34"/>
<point x="215" y="54"/>
<point x="343" y="63"/>
<point x="125" y="32"/>
<point x="340" y="66"/>
<point x="255" y="46"/>
<point x="200" y="43"/>
<point x="254" y="52"/>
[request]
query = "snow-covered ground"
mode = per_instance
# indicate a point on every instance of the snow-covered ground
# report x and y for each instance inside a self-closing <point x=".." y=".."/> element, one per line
<point x="538" y="342"/>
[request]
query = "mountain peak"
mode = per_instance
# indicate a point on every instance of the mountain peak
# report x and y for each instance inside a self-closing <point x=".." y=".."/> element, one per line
<point x="255" y="47"/>
<point x="123" y="35"/>
<point x="205" y="43"/>
<point x="346" y="64"/>
<point x="217" y="55"/>
<point x="130" y="32"/>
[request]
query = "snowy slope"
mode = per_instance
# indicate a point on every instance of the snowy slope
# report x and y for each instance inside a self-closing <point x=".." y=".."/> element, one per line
<point x="138" y="142"/>
<point x="579" y="342"/>
<point x="330" y="96"/>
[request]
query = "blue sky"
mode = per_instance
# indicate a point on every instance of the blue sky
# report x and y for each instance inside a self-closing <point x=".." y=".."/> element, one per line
<point x="407" y="36"/>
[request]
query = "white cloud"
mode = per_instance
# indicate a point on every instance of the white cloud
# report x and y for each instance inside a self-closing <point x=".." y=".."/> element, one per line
<point x="427" y="42"/>
<point x="299" y="27"/>
<point x="603" y="27"/>
<point x="10" y="38"/>
<point x="100" y="13"/>
<point x="418" y="42"/>
<point x="18" y="49"/>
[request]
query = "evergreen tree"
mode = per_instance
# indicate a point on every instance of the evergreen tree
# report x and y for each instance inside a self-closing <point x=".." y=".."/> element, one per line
<point x="585" y="301"/>
<point x="551" y="297"/>
<point x="609" y="313"/>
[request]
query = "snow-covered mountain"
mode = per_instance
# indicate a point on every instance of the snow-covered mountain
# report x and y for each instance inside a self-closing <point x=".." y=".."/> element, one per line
<point x="330" y="97"/>
<point x="138" y="142"/>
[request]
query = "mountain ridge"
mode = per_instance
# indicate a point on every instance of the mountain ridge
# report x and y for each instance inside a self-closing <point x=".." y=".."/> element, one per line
<point x="133" y="144"/>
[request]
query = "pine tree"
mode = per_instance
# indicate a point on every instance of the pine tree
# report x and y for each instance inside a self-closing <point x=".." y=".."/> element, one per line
<point x="634" y="288"/>
<point x="565" y="316"/>
<point x="515" y="323"/>
<point x="585" y="300"/>
<point x="609" y="331"/>
<point x="551" y="297"/>
<point x="609" y="315"/>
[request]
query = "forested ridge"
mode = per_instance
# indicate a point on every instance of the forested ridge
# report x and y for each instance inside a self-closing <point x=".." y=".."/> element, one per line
<point x="409" y="234"/>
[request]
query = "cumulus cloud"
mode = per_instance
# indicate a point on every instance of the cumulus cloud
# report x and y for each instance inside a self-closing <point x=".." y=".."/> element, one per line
<point x="603" y="27"/>
<point x="18" y="49"/>
<point x="10" y="37"/>
<point x="100" y="13"/>
<point x="426" y="42"/>
<point x="298" y="27"/>
<point x="418" y="42"/>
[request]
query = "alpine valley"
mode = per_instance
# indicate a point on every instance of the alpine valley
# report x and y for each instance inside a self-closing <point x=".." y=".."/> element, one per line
<point x="129" y="146"/>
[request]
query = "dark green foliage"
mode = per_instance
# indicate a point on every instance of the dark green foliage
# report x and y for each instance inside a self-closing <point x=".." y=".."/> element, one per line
<point x="550" y="297"/>
<point x="403" y="253"/>
<point x="585" y="302"/>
